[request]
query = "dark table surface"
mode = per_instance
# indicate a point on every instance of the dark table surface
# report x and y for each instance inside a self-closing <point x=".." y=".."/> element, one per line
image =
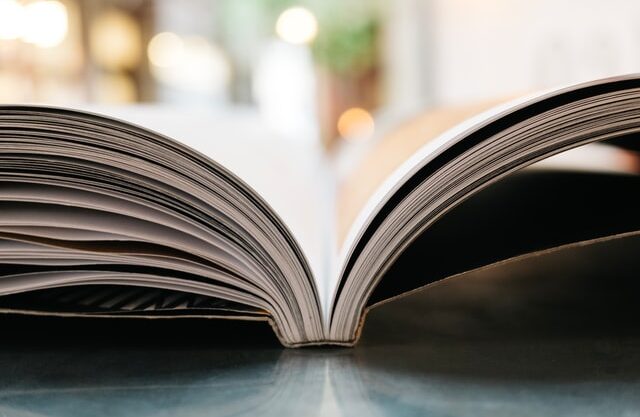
<point x="539" y="338"/>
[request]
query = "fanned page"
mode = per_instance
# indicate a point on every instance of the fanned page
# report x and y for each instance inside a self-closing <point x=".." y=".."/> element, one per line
<point x="461" y="163"/>
<point x="296" y="178"/>
<point x="93" y="206"/>
<point x="102" y="217"/>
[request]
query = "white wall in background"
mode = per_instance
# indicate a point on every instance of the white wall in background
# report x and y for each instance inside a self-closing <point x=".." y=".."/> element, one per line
<point x="284" y="90"/>
<point x="475" y="50"/>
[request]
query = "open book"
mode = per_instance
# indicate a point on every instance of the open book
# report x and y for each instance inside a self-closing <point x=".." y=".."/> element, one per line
<point x="103" y="218"/>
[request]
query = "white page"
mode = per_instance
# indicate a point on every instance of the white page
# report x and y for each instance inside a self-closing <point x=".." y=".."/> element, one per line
<point x="293" y="177"/>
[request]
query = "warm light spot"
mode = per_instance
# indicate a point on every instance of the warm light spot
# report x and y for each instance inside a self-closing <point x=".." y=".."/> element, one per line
<point x="46" y="23"/>
<point x="11" y="19"/>
<point x="115" y="40"/>
<point x="117" y="88"/>
<point x="355" y="124"/>
<point x="192" y="64"/>
<point x="165" y="49"/>
<point x="297" y="25"/>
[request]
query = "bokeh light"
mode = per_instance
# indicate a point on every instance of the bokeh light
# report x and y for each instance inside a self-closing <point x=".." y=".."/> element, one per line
<point x="45" y="23"/>
<point x="116" y="88"/>
<point x="297" y="25"/>
<point x="115" y="40"/>
<point x="165" y="49"/>
<point x="190" y="63"/>
<point x="356" y="124"/>
<point x="11" y="19"/>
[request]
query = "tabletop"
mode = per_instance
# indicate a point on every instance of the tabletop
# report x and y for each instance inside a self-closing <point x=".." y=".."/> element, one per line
<point x="499" y="342"/>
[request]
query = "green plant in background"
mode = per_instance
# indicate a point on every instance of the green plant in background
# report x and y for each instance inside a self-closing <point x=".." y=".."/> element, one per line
<point x="346" y="47"/>
<point x="348" y="32"/>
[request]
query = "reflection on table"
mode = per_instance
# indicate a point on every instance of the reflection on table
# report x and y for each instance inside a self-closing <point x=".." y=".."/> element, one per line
<point x="550" y="336"/>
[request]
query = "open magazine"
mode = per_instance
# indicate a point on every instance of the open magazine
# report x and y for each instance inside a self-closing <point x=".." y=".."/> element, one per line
<point x="103" y="218"/>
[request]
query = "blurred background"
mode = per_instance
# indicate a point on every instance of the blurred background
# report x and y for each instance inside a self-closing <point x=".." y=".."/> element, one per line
<point x="336" y="73"/>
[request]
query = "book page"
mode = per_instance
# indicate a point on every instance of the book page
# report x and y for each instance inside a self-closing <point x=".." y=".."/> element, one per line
<point x="464" y="160"/>
<point x="417" y="141"/>
<point x="293" y="177"/>
<point x="390" y="153"/>
<point x="183" y="215"/>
